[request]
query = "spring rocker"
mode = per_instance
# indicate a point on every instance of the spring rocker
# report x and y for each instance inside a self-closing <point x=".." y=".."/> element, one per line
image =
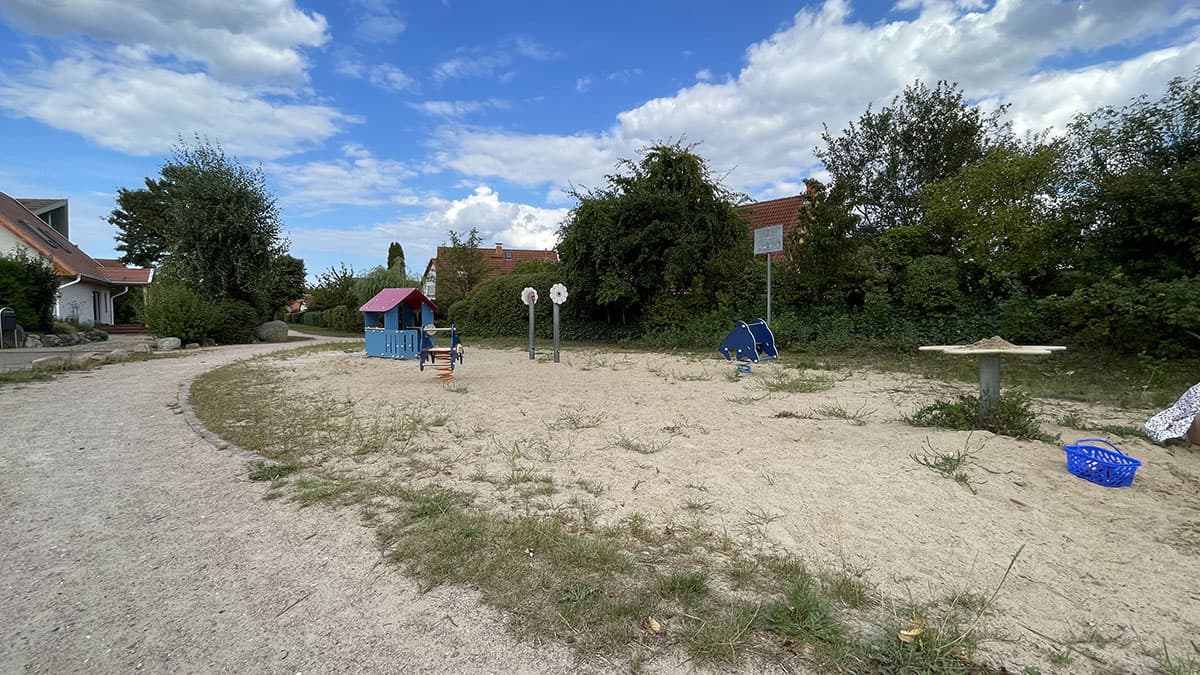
<point x="398" y="324"/>
<point x="749" y="343"/>
<point x="446" y="355"/>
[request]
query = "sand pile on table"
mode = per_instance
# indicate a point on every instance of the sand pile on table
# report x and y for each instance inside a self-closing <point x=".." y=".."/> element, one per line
<point x="994" y="342"/>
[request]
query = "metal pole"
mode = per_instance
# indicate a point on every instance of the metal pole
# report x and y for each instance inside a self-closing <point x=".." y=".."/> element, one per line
<point x="989" y="385"/>
<point x="531" y="356"/>
<point x="768" y="289"/>
<point x="556" y="332"/>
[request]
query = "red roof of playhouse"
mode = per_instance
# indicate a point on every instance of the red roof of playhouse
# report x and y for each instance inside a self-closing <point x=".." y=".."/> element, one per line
<point x="390" y="297"/>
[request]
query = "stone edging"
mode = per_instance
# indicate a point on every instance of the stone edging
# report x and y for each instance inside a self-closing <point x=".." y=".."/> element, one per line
<point x="184" y="406"/>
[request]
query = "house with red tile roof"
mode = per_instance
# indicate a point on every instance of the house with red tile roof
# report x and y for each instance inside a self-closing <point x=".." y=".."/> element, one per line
<point x="499" y="261"/>
<point x="785" y="211"/>
<point x="87" y="287"/>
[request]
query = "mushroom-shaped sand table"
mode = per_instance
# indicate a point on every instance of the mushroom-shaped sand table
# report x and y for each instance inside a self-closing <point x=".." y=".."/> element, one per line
<point x="989" y="352"/>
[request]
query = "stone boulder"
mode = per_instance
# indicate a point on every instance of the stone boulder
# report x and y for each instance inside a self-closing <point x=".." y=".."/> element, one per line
<point x="81" y="358"/>
<point x="95" y="335"/>
<point x="118" y="355"/>
<point x="272" y="331"/>
<point x="33" y="342"/>
<point x="50" y="363"/>
<point x="10" y="340"/>
<point x="168" y="344"/>
<point x="192" y="345"/>
<point x="51" y="341"/>
<point x="141" y="349"/>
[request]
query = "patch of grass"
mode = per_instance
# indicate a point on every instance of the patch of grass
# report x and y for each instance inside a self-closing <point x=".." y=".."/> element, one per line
<point x="577" y="418"/>
<point x="845" y="588"/>
<point x="1062" y="659"/>
<point x="456" y="387"/>
<point x="722" y="636"/>
<point x="799" y="384"/>
<point x="324" y="332"/>
<point x="746" y="400"/>
<point x="593" y="488"/>
<point x="626" y="442"/>
<point x="1013" y="416"/>
<point x="835" y="410"/>
<point x="790" y="415"/>
<point x="311" y="490"/>
<point x="686" y="587"/>
<point x="697" y="506"/>
<point x="952" y="465"/>
<point x="1169" y="664"/>
<point x="692" y="377"/>
<point x="320" y="348"/>
<point x="263" y="471"/>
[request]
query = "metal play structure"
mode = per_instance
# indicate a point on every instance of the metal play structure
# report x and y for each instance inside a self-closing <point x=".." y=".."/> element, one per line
<point x="399" y="325"/>
<point x="749" y="343"/>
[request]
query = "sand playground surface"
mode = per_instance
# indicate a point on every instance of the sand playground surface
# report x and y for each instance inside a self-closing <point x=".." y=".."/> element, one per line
<point x="827" y="476"/>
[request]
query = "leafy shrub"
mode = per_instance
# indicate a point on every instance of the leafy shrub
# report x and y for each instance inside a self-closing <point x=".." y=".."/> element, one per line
<point x="175" y="310"/>
<point x="344" y="318"/>
<point x="316" y="319"/>
<point x="63" y="327"/>
<point x="235" y="323"/>
<point x="1014" y="416"/>
<point x="29" y="286"/>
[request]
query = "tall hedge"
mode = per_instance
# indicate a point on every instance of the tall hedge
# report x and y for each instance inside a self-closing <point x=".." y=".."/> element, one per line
<point x="28" y="285"/>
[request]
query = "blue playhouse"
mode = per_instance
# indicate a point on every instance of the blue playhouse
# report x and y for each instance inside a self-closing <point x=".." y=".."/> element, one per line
<point x="399" y="325"/>
<point x="749" y="343"/>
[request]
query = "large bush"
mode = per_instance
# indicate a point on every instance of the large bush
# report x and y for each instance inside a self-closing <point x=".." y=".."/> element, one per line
<point x="235" y="323"/>
<point x="175" y="310"/>
<point x="29" y="286"/>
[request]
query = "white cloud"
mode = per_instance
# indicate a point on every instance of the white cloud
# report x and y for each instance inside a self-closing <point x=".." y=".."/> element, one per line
<point x="625" y="75"/>
<point x="391" y="78"/>
<point x="471" y="65"/>
<point x="456" y="109"/>
<point x="532" y="50"/>
<point x="142" y="108"/>
<point x="242" y="40"/>
<point x="379" y="21"/>
<point x="516" y="225"/>
<point x="704" y="75"/>
<point x="356" y="179"/>
<point x="582" y="84"/>
<point x="825" y="68"/>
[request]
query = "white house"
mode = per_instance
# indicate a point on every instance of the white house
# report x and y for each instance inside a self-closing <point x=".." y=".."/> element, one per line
<point x="86" y="286"/>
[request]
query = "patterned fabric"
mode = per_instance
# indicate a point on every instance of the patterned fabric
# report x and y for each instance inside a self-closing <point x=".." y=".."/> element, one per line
<point x="1175" y="421"/>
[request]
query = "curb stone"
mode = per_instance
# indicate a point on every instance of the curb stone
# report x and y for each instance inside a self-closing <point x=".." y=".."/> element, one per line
<point x="184" y="406"/>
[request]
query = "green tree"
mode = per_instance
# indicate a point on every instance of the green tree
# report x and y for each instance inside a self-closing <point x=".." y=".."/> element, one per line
<point x="829" y="260"/>
<point x="396" y="257"/>
<point x="1002" y="214"/>
<point x="663" y="231"/>
<point x="881" y="163"/>
<point x="334" y="288"/>
<point x="224" y="224"/>
<point x="379" y="278"/>
<point x="284" y="284"/>
<point x="28" y="285"/>
<point x="1137" y="170"/>
<point x="143" y="234"/>
<point x="460" y="267"/>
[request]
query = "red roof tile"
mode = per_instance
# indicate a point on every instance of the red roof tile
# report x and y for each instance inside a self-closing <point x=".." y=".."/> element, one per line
<point x="783" y="211"/>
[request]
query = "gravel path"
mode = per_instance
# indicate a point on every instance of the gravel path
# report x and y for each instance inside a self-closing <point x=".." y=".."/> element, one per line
<point x="127" y="543"/>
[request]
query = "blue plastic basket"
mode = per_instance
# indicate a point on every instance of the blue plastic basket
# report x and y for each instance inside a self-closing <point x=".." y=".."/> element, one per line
<point x="1106" y="466"/>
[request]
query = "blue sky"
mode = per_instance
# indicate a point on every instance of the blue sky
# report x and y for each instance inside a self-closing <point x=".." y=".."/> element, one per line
<point x="389" y="120"/>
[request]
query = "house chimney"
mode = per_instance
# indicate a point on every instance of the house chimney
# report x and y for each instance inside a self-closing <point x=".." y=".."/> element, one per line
<point x="499" y="247"/>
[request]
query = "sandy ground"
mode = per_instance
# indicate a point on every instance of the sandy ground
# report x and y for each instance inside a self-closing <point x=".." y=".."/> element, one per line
<point x="1121" y="563"/>
<point x="127" y="543"/>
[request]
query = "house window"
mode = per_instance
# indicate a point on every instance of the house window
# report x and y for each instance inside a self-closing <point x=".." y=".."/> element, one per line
<point x="508" y="255"/>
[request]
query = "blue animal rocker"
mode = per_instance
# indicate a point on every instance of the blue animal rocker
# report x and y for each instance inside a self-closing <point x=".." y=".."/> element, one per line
<point x="749" y="343"/>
